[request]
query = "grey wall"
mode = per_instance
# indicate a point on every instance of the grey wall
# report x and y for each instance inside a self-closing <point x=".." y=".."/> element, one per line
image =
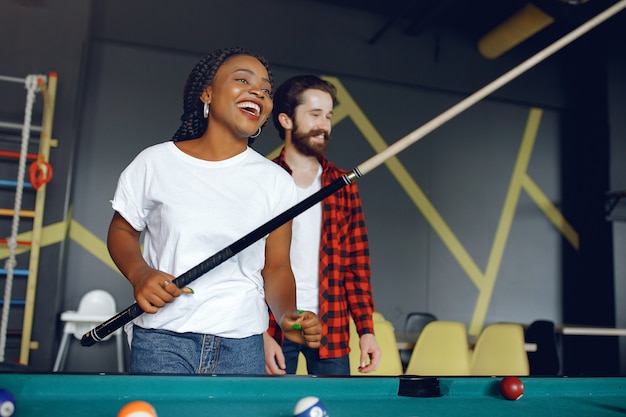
<point x="121" y="77"/>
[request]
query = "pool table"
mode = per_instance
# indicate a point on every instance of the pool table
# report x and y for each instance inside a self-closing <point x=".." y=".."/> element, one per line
<point x="91" y="395"/>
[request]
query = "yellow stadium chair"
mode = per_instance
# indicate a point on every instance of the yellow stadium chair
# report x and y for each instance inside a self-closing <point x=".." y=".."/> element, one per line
<point x="441" y="350"/>
<point x="500" y="351"/>
<point x="413" y="324"/>
<point x="376" y="316"/>
<point x="301" y="369"/>
<point x="390" y="363"/>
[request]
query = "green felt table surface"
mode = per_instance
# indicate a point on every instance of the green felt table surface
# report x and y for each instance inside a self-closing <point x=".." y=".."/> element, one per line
<point x="53" y="395"/>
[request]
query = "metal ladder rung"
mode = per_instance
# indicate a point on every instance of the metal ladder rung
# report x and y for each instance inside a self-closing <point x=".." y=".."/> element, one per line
<point x="17" y="155"/>
<point x="11" y="212"/>
<point x="11" y="183"/>
<point x="16" y="272"/>
<point x="4" y="241"/>
<point x="14" y="302"/>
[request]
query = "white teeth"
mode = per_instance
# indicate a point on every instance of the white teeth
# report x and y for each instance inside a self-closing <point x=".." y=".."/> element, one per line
<point x="249" y="105"/>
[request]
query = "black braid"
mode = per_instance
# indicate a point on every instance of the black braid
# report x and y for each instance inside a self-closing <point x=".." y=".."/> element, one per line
<point x="193" y="123"/>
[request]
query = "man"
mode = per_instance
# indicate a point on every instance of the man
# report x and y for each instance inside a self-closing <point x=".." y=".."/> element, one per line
<point x="329" y="249"/>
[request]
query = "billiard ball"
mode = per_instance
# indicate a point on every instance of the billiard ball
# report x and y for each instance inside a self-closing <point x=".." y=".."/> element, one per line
<point x="137" y="409"/>
<point x="310" y="407"/>
<point x="7" y="403"/>
<point x="511" y="388"/>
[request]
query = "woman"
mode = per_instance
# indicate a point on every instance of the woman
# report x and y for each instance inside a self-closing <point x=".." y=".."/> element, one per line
<point x="192" y="197"/>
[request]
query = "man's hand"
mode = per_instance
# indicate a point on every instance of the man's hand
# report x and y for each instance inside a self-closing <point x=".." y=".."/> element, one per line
<point x="370" y="353"/>
<point x="274" y="358"/>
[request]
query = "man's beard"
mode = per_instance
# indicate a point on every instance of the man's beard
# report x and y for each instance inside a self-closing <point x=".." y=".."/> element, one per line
<point x="307" y="147"/>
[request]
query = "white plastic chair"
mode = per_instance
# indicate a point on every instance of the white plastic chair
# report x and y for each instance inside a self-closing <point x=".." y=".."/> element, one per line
<point x="94" y="308"/>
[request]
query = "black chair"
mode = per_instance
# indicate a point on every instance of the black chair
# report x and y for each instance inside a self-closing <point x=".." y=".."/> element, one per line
<point x="545" y="360"/>
<point x="414" y="323"/>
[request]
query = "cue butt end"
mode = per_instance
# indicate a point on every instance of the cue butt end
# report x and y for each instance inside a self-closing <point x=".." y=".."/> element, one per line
<point x="87" y="340"/>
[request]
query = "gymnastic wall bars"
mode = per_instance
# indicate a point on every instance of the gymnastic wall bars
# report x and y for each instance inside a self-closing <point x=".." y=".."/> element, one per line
<point x="40" y="173"/>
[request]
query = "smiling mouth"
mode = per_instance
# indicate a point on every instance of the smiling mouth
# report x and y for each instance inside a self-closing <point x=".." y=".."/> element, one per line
<point x="319" y="135"/>
<point x="250" y="107"/>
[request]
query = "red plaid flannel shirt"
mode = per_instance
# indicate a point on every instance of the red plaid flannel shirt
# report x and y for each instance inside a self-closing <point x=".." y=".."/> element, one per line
<point x="345" y="287"/>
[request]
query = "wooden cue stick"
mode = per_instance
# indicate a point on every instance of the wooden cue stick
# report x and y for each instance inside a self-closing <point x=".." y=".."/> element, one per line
<point x="453" y="111"/>
<point x="103" y="330"/>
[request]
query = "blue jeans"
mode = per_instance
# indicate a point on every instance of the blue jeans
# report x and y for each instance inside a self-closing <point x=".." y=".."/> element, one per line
<point x="162" y="351"/>
<point x="315" y="365"/>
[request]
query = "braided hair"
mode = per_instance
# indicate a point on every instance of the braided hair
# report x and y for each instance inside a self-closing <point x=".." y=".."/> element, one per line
<point x="193" y="124"/>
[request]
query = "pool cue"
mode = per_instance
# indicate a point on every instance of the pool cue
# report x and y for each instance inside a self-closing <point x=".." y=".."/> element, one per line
<point x="100" y="332"/>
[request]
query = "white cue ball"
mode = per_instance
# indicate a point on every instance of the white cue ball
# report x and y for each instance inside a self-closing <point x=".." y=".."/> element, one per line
<point x="310" y="407"/>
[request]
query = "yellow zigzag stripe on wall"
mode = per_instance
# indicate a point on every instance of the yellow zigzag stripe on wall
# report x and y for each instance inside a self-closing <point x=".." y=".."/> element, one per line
<point x="91" y="243"/>
<point x="485" y="283"/>
<point x="348" y="108"/>
<point x="551" y="212"/>
<point x="413" y="190"/>
<point x="506" y="220"/>
<point x="58" y="232"/>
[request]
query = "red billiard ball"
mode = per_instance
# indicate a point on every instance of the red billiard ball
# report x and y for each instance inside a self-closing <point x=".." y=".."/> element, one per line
<point x="511" y="388"/>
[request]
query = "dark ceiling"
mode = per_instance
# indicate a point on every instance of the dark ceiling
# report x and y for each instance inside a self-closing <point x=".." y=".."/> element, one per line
<point x="471" y="19"/>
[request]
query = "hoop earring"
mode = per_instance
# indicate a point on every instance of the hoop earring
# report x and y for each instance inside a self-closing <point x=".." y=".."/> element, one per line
<point x="205" y="112"/>
<point x="256" y="135"/>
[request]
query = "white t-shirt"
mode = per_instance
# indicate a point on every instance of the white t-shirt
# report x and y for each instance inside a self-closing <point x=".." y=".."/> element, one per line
<point x="305" y="249"/>
<point x="190" y="209"/>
